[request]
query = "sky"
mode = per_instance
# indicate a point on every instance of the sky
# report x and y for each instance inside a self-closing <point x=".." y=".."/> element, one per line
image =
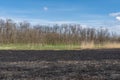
<point x="92" y="13"/>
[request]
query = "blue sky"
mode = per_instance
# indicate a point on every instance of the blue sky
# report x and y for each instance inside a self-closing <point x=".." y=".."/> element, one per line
<point x="85" y="12"/>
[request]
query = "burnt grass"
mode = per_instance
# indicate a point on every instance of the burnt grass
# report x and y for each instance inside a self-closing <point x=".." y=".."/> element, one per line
<point x="101" y="64"/>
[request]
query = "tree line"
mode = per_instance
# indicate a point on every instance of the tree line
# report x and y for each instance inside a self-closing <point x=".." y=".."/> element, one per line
<point x="23" y="32"/>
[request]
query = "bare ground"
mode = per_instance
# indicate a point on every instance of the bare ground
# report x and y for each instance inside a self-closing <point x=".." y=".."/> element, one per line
<point x="60" y="65"/>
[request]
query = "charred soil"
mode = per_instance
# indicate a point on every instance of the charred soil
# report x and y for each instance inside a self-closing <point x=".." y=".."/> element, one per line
<point x="60" y="65"/>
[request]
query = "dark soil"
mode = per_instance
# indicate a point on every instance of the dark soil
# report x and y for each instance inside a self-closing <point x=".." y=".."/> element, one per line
<point x="60" y="65"/>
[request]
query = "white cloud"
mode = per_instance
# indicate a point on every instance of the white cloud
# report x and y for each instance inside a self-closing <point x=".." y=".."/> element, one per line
<point x="118" y="18"/>
<point x="35" y="21"/>
<point x="116" y="15"/>
<point x="45" y="8"/>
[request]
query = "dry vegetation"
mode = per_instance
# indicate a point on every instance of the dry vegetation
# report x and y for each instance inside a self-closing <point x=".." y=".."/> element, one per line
<point x="66" y="34"/>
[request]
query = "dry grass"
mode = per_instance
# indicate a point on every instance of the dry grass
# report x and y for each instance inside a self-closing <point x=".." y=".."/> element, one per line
<point x="90" y="45"/>
<point x="111" y="45"/>
<point x="108" y="45"/>
<point x="83" y="45"/>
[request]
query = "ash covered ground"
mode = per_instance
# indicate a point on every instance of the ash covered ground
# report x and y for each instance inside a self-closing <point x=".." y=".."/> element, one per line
<point x="60" y="65"/>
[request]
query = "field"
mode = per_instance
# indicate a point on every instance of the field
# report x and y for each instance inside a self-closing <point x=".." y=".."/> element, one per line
<point x="60" y="65"/>
<point x="81" y="46"/>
